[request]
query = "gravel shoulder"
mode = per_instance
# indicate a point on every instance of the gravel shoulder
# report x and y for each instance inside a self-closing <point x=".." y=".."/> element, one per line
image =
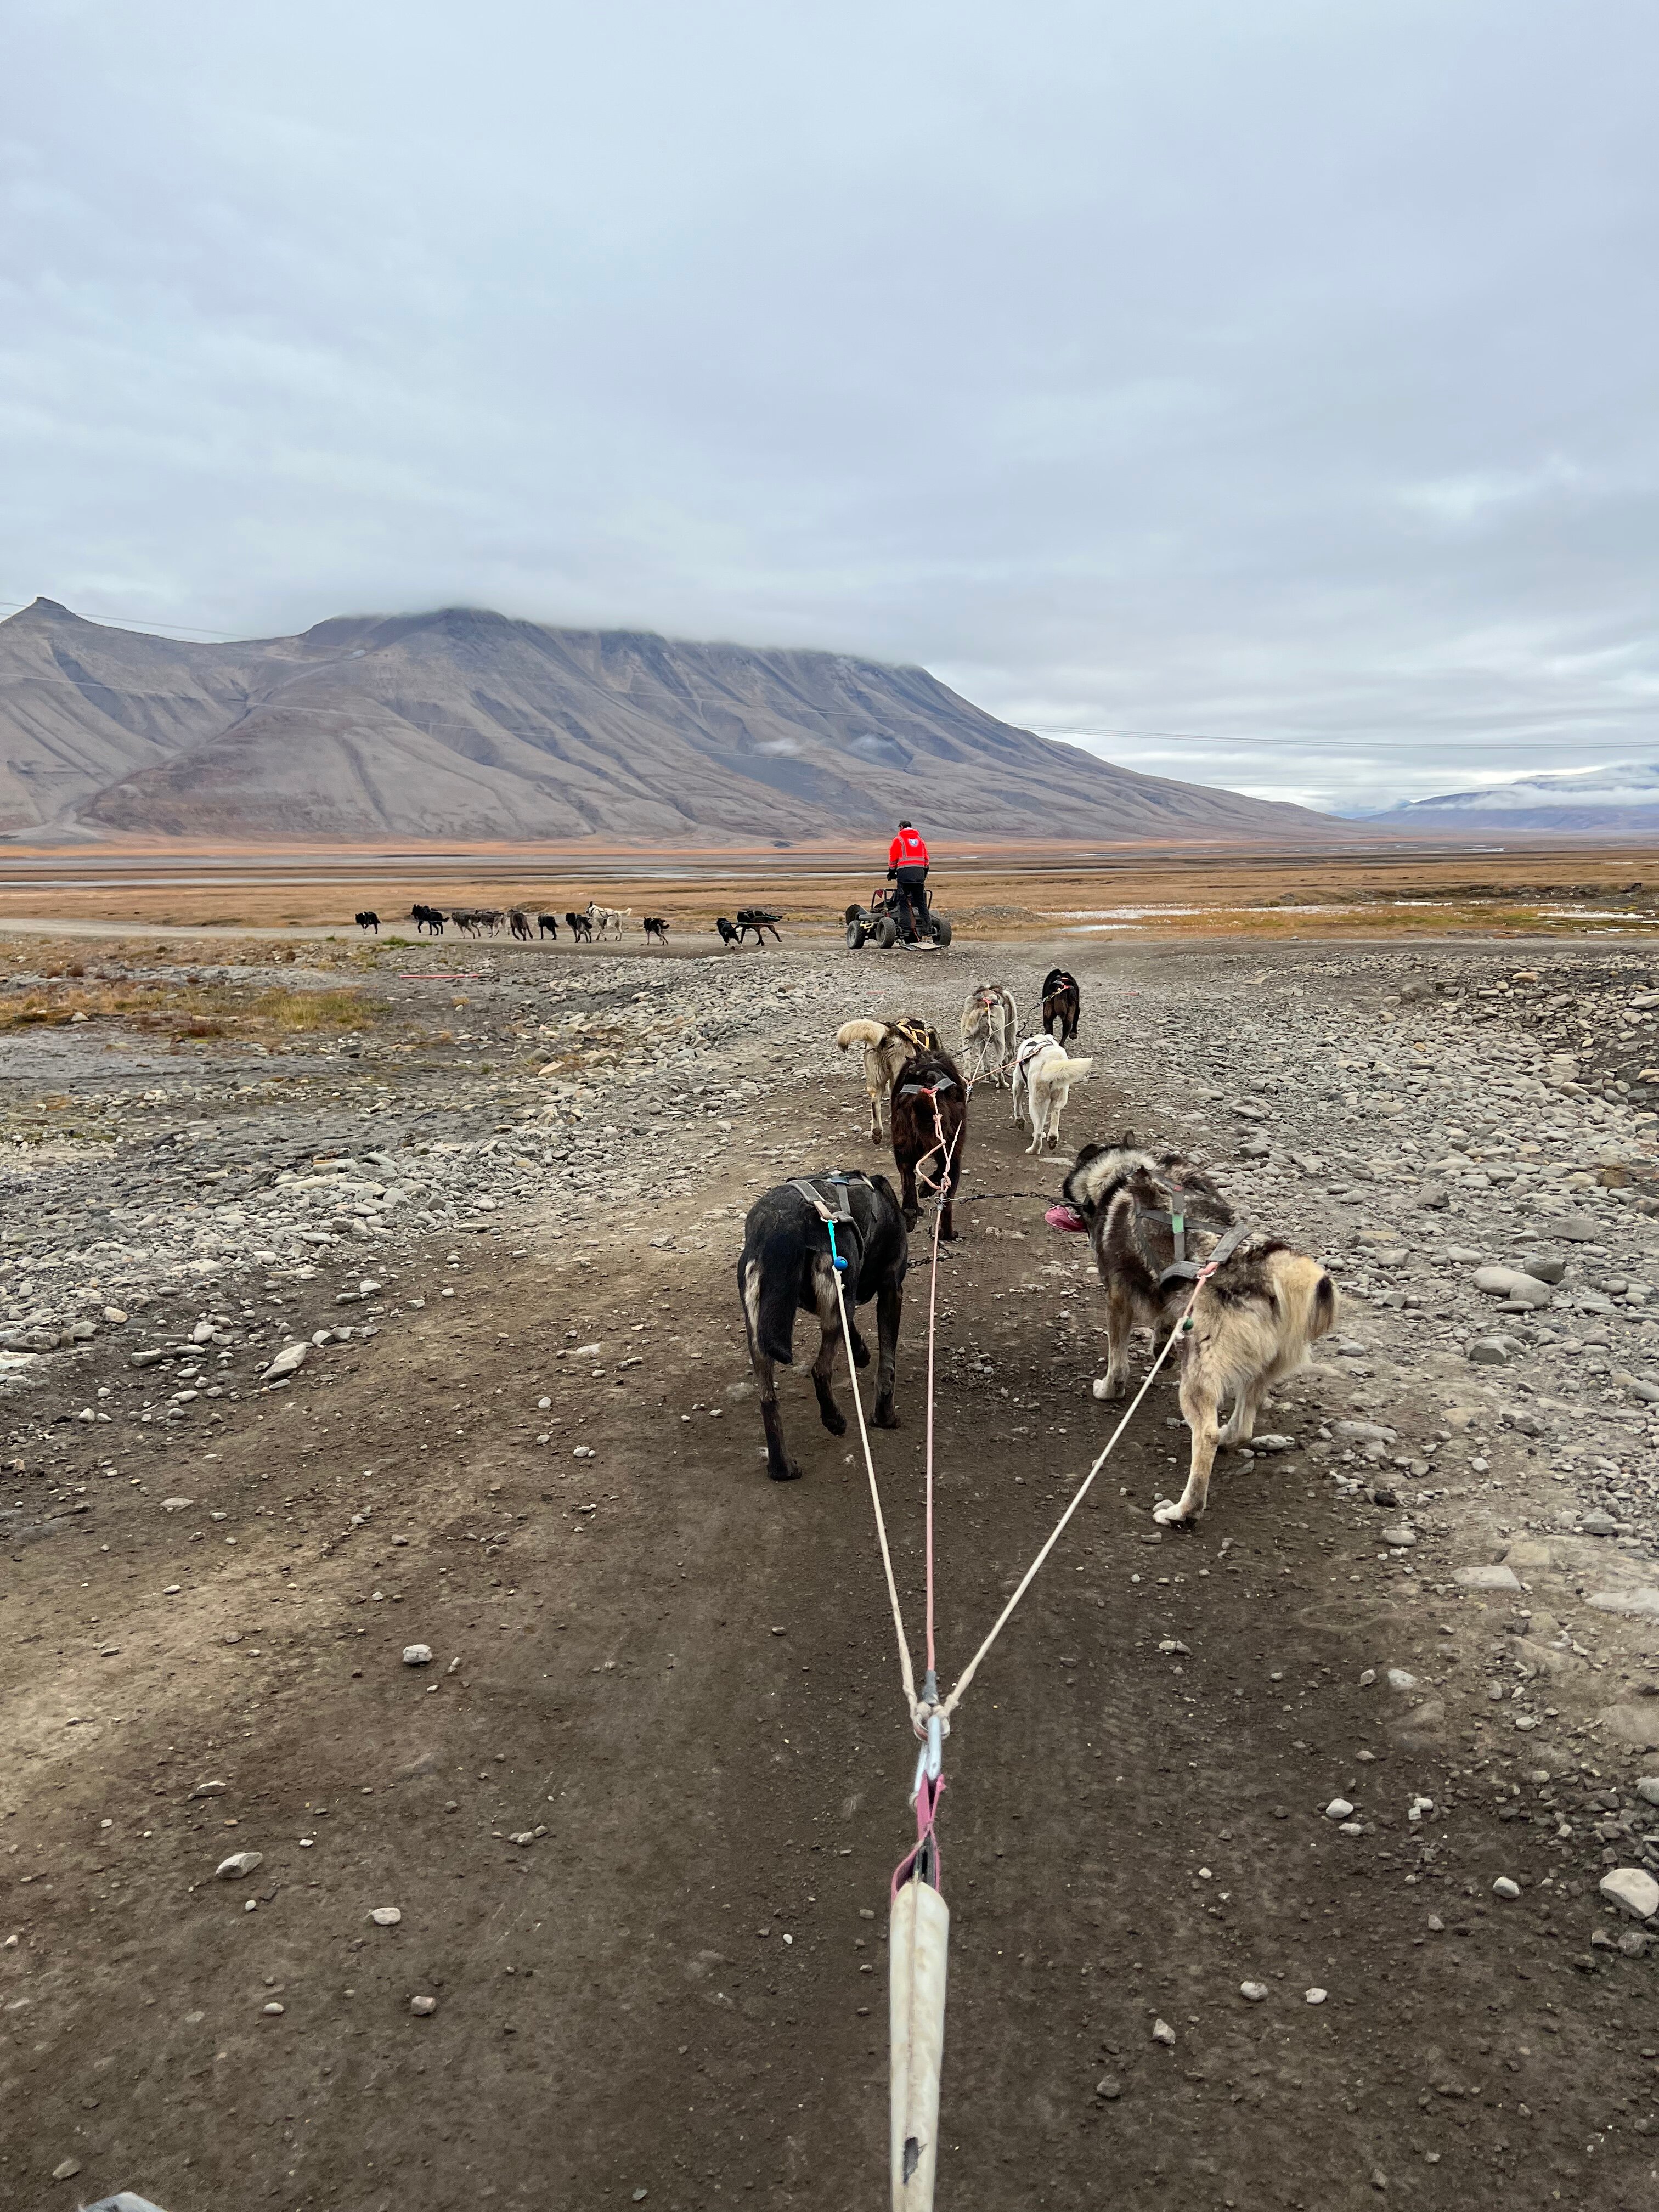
<point x="634" y="1810"/>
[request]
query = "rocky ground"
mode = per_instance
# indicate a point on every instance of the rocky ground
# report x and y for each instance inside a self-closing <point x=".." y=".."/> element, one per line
<point x="413" y="1327"/>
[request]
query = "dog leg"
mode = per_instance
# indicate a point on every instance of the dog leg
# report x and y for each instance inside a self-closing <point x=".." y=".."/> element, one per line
<point x="907" y="1201"/>
<point x="1119" y="1323"/>
<point x="823" y="1375"/>
<point x="1242" y="1427"/>
<point x="861" y="1349"/>
<point x="779" y="1465"/>
<point x="890" y="1310"/>
<point x="1198" y="1403"/>
<point x="947" y="1227"/>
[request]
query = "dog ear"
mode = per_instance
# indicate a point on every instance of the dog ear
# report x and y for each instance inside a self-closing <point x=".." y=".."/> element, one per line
<point x="1089" y="1152"/>
<point x="1127" y="1141"/>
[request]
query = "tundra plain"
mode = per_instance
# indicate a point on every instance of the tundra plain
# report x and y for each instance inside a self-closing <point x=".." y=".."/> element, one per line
<point x="638" y="1813"/>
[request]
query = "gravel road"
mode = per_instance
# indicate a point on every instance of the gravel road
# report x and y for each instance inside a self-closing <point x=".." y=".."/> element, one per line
<point x="423" y="1338"/>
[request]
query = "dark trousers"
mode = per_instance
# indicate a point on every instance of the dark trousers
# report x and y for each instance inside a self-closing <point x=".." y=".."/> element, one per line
<point x="910" y="884"/>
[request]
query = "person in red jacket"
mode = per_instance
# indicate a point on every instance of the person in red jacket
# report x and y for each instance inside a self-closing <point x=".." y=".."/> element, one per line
<point x="906" y="868"/>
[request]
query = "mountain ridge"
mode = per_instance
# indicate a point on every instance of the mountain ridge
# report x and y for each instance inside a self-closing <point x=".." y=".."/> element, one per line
<point x="465" y="723"/>
<point x="1618" y="799"/>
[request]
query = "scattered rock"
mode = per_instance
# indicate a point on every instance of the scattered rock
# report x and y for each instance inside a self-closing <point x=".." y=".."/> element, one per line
<point x="1315" y="1996"/>
<point x="1253" y="1992"/>
<point x="1632" y="1891"/>
<point x="1514" y="1283"/>
<point x="1489" y="1352"/>
<point x="417" y="1655"/>
<point x="423" y="2008"/>
<point x="1505" y="1887"/>
<point x="1109" y="2089"/>
<point x="238" y="1864"/>
<point x="385" y="1916"/>
<point x="289" y="1361"/>
<point x="1162" y="2032"/>
<point x="1487" y="1578"/>
<point x="1339" y="1809"/>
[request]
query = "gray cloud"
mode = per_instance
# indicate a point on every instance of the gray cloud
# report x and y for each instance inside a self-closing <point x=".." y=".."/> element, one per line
<point x="1262" y="395"/>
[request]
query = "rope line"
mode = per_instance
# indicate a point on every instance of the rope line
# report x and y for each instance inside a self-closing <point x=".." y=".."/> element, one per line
<point x="969" y="1672"/>
<point x="918" y="1711"/>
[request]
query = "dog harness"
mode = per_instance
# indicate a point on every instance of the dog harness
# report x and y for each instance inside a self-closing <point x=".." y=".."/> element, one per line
<point x="926" y="1089"/>
<point x="1187" y="1271"/>
<point x="827" y="1194"/>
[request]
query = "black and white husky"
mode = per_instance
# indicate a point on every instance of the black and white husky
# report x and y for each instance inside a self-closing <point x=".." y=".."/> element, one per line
<point x="1253" y="1320"/>
<point x="786" y="1269"/>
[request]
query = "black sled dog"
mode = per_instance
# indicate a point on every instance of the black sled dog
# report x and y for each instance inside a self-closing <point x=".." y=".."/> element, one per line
<point x="786" y="1269"/>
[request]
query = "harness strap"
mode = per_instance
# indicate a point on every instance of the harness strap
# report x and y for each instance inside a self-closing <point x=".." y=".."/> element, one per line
<point x="1188" y="1270"/>
<point x="835" y="1205"/>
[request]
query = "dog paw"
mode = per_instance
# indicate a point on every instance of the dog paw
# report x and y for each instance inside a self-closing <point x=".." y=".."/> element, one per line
<point x="860" y="1355"/>
<point x="834" y="1421"/>
<point x="1104" y="1387"/>
<point x="1168" y="1516"/>
<point x="788" y="1472"/>
<point x="885" y="1417"/>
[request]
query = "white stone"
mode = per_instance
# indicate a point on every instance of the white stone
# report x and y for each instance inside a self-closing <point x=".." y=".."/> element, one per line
<point x="1487" y="1578"/>
<point x="417" y="1655"/>
<point x="423" y="2008"/>
<point x="1314" y="1997"/>
<point x="176" y="1504"/>
<point x="289" y="1361"/>
<point x="1632" y="1891"/>
<point x="385" y="1916"/>
<point x="238" y="1864"/>
<point x="1399" y="1680"/>
<point x="1253" y="1992"/>
<point x="1635" y="1605"/>
<point x="1505" y="1887"/>
<point x="1338" y="1809"/>
<point x="1162" y="2032"/>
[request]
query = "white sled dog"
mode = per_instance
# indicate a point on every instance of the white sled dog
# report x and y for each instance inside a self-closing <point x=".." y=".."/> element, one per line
<point x="1044" y="1077"/>
<point x="887" y="1046"/>
<point x="990" y="1027"/>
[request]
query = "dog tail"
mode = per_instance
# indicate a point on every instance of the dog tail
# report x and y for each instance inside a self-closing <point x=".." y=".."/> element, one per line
<point x="1073" y="1071"/>
<point x="1307" y="1297"/>
<point x="860" y="1032"/>
<point x="771" y="1281"/>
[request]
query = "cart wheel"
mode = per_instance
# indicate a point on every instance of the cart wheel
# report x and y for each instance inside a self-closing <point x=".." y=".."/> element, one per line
<point x="886" y="933"/>
<point x="941" y="934"/>
<point x="855" y="937"/>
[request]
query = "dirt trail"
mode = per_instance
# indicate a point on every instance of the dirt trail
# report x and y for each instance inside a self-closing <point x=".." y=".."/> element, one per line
<point x="675" y="1680"/>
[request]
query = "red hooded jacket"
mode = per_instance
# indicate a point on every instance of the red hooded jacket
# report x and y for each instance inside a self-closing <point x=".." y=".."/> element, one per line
<point x="908" y="850"/>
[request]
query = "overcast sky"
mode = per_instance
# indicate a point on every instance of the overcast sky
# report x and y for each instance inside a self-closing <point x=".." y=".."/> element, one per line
<point x="1265" y="393"/>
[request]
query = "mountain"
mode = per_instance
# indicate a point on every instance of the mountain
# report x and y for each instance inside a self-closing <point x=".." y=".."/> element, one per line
<point x="465" y="724"/>
<point x="1620" y="802"/>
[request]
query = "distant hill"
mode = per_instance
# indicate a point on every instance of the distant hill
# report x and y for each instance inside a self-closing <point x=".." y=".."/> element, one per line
<point x="1618" y="802"/>
<point x="462" y="724"/>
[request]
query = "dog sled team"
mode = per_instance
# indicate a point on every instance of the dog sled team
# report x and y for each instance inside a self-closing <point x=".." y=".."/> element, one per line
<point x="1170" y="1252"/>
